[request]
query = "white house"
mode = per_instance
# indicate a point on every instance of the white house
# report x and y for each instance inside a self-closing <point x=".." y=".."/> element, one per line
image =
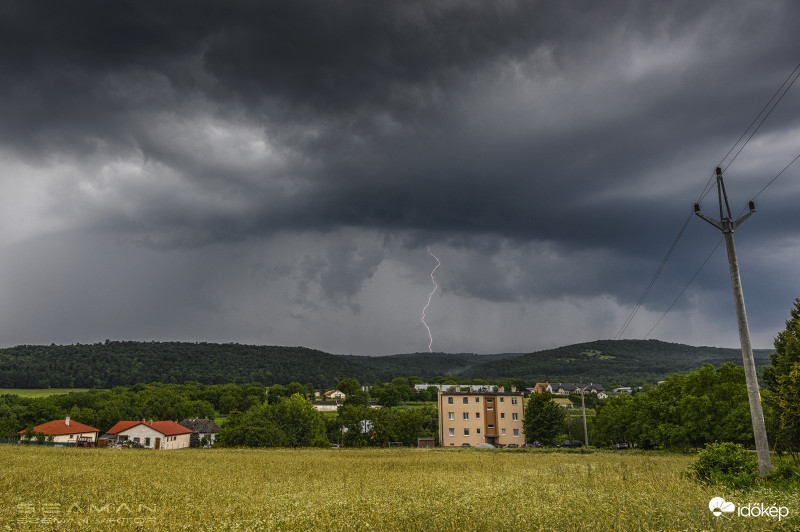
<point x="66" y="431"/>
<point x="152" y="434"/>
<point x="335" y="394"/>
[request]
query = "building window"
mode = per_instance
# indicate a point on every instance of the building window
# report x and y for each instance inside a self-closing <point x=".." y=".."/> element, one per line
<point x="489" y="408"/>
<point x="477" y="399"/>
<point x="449" y="400"/>
<point x="477" y="415"/>
<point x="452" y="431"/>
<point x="466" y="416"/>
<point x="490" y="400"/>
<point x="478" y="431"/>
<point x="502" y="415"/>
<point x="491" y="426"/>
<point x="450" y="416"/>
<point x="465" y="400"/>
<point x="516" y="433"/>
<point x="514" y="417"/>
<point x="502" y="399"/>
<point x="147" y="442"/>
<point x="71" y="436"/>
<point x="136" y="440"/>
<point x="466" y="432"/>
<point x="503" y="432"/>
<point x="513" y="400"/>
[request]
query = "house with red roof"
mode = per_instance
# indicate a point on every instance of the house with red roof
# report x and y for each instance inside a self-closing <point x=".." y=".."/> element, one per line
<point x="66" y="431"/>
<point x="151" y="434"/>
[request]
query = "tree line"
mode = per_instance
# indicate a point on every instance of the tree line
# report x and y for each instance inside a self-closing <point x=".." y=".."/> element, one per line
<point x="112" y="363"/>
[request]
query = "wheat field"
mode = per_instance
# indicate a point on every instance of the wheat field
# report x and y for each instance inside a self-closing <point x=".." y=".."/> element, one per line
<point x="48" y="488"/>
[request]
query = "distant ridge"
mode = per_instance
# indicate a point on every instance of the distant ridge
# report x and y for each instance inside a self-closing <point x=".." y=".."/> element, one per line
<point x="123" y="363"/>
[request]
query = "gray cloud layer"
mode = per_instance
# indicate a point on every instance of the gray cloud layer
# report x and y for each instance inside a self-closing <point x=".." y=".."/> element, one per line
<point x="276" y="169"/>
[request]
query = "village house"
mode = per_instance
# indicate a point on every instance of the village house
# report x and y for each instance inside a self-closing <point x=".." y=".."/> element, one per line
<point x="563" y="402"/>
<point x="151" y="434"/>
<point x="204" y="428"/>
<point x="567" y="388"/>
<point x="539" y="387"/>
<point x="335" y="394"/>
<point x="562" y="388"/>
<point x="66" y="431"/>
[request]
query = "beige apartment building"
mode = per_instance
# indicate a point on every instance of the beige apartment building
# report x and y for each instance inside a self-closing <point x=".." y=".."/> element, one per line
<point x="480" y="417"/>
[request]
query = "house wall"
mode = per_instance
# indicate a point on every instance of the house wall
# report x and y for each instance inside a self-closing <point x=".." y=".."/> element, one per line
<point x="179" y="441"/>
<point x="143" y="432"/>
<point x="484" y="417"/>
<point x="72" y="438"/>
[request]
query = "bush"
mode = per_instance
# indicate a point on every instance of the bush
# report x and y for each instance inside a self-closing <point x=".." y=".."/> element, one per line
<point x="726" y="463"/>
<point x="785" y="473"/>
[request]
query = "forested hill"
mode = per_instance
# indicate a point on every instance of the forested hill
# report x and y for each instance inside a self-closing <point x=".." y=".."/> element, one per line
<point x="112" y="364"/>
<point x="610" y="361"/>
<point x="127" y="363"/>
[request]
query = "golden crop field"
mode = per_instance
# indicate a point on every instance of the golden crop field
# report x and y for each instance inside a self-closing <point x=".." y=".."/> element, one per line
<point x="47" y="488"/>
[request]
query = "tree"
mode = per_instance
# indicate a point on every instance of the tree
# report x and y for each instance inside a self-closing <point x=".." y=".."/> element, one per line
<point x="615" y="420"/>
<point x="782" y="378"/>
<point x="300" y="421"/>
<point x="684" y="411"/>
<point x="544" y="420"/>
<point x="358" y="397"/>
<point x="348" y="386"/>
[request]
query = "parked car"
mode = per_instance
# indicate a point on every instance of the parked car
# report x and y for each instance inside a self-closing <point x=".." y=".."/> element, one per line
<point x="512" y="445"/>
<point x="571" y="444"/>
<point x="466" y="445"/>
<point x="620" y="445"/>
<point x="535" y="444"/>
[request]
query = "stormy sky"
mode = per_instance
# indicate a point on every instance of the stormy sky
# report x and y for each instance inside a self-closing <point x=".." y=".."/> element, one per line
<point x="273" y="172"/>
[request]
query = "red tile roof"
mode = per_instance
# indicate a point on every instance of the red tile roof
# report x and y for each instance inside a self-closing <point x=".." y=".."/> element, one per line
<point x="59" y="427"/>
<point x="167" y="428"/>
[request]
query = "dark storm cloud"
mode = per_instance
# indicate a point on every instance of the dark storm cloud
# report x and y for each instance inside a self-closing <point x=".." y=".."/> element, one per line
<point x="554" y="148"/>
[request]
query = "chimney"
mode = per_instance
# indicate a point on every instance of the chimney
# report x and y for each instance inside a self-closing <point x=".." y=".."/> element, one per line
<point x="66" y="421"/>
<point x="514" y="389"/>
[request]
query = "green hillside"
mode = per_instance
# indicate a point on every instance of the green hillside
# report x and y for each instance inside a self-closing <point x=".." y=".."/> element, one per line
<point x="127" y="363"/>
<point x="109" y="364"/>
<point x="610" y="361"/>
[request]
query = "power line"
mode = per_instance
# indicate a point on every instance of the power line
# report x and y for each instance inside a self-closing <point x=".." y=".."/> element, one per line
<point x="653" y="280"/>
<point x="684" y="289"/>
<point x="779" y="93"/>
<point x="782" y="90"/>
<point x="696" y="273"/>
<point x="776" y="177"/>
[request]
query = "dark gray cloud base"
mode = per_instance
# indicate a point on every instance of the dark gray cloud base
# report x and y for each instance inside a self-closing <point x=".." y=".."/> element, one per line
<point x="553" y="151"/>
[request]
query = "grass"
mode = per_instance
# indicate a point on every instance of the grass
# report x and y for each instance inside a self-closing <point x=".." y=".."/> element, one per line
<point x="40" y="392"/>
<point x="361" y="489"/>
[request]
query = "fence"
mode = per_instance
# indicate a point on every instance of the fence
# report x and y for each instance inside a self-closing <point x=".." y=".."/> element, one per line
<point x="37" y="442"/>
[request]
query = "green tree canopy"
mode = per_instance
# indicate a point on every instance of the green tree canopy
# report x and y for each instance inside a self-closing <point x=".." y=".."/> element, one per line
<point x="782" y="378"/>
<point x="544" y="420"/>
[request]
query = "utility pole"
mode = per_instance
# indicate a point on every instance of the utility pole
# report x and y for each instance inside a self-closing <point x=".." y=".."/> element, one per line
<point x="727" y="226"/>
<point x="585" y="430"/>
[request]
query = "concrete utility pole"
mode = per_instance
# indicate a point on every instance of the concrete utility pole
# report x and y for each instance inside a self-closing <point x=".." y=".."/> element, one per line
<point x="727" y="225"/>
<point x="585" y="430"/>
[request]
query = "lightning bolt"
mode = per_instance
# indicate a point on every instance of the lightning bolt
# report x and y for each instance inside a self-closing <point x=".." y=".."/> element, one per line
<point x="435" y="286"/>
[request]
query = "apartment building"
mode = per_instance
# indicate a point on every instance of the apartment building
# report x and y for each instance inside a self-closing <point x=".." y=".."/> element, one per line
<point x="480" y="417"/>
